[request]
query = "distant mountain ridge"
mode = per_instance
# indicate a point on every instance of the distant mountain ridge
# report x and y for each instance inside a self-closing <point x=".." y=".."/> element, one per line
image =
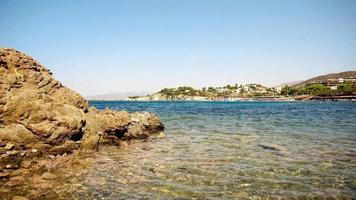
<point x="323" y="78"/>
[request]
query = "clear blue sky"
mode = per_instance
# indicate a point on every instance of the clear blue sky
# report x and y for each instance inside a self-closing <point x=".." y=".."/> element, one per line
<point x="106" y="46"/>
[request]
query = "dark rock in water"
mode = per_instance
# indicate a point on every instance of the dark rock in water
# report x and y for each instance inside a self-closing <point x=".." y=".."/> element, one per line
<point x="152" y="170"/>
<point x="9" y="146"/>
<point x="4" y="175"/>
<point x="269" y="147"/>
<point x="2" y="150"/>
<point x="60" y="150"/>
<point x="2" y="144"/>
<point x="39" y="116"/>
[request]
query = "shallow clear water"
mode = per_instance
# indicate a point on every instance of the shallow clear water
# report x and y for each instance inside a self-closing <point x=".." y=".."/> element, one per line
<point x="231" y="150"/>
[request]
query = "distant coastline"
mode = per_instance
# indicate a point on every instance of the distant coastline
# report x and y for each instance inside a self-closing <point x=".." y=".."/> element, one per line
<point x="279" y="99"/>
<point x="330" y="87"/>
<point x="333" y="87"/>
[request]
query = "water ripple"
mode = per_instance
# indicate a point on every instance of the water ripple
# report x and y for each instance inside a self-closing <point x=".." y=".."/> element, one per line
<point x="235" y="150"/>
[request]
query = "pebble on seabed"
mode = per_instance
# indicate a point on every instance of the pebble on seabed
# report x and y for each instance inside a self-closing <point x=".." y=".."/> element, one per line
<point x="19" y="198"/>
<point x="9" y="146"/>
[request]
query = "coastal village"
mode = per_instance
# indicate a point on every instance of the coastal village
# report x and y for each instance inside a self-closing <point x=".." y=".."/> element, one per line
<point x="338" y="86"/>
<point x="225" y="93"/>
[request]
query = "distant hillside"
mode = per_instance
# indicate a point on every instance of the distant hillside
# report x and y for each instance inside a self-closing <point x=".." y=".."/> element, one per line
<point x="330" y="86"/>
<point x="323" y="78"/>
<point x="288" y="84"/>
<point x="116" y="96"/>
<point x="210" y="93"/>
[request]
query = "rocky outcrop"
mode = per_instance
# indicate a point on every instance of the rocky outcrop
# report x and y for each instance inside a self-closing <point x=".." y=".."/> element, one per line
<point x="38" y="115"/>
<point x="113" y="126"/>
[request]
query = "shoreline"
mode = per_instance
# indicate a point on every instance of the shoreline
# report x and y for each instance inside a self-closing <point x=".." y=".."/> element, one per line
<point x="41" y="120"/>
<point x="285" y="99"/>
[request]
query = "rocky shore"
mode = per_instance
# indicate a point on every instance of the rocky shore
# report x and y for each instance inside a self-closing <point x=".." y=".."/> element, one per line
<point x="43" y="123"/>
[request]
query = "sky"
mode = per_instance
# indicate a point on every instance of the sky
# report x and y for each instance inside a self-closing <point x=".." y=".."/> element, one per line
<point x="103" y="46"/>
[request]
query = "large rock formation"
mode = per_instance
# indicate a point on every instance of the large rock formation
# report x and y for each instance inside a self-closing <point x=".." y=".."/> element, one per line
<point x="39" y="114"/>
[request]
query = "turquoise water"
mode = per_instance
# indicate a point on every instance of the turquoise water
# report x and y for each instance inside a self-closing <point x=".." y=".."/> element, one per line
<point x="231" y="150"/>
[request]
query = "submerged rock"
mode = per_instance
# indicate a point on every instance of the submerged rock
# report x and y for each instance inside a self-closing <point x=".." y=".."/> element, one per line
<point x="40" y="116"/>
<point x="19" y="198"/>
<point x="9" y="146"/>
<point x="4" y="175"/>
<point x="2" y="144"/>
<point x="48" y="176"/>
<point x="269" y="147"/>
<point x="109" y="126"/>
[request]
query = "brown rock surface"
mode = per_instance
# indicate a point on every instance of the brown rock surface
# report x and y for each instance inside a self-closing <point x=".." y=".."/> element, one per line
<point x="19" y="133"/>
<point x="37" y="113"/>
<point x="34" y="106"/>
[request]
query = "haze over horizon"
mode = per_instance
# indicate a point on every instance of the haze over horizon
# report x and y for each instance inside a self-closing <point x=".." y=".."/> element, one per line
<point x="99" y="47"/>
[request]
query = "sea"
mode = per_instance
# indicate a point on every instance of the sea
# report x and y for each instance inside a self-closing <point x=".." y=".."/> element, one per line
<point x="230" y="150"/>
